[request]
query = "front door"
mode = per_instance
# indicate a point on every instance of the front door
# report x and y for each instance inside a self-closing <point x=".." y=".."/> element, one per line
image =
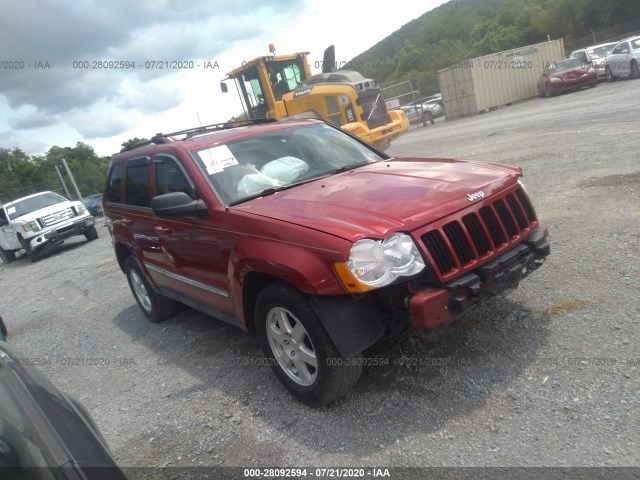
<point x="8" y="238"/>
<point x="191" y="258"/>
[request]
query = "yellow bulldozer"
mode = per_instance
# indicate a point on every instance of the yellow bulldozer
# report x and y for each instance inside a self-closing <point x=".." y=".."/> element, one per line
<point x="282" y="86"/>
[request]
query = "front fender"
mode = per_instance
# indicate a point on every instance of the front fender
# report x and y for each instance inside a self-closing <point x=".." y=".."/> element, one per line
<point x="353" y="324"/>
<point x="309" y="269"/>
<point x="9" y="239"/>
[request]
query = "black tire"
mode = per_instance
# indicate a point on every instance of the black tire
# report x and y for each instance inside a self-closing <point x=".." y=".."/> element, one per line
<point x="635" y="71"/>
<point x="91" y="233"/>
<point x="610" y="77"/>
<point x="7" y="256"/>
<point x="333" y="376"/>
<point x="428" y="117"/>
<point x="32" y="254"/>
<point x="155" y="306"/>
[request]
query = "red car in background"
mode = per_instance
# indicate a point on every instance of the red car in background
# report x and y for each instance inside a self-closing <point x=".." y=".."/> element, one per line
<point x="570" y="74"/>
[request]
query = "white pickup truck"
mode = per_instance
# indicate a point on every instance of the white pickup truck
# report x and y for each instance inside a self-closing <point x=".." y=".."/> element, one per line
<point x="37" y="222"/>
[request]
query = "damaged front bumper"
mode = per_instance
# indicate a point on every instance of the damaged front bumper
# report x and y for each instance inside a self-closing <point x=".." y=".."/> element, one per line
<point x="432" y="306"/>
<point x="45" y="240"/>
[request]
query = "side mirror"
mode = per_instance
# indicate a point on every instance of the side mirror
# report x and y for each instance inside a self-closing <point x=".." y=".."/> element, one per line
<point x="3" y="330"/>
<point x="223" y="87"/>
<point x="177" y="204"/>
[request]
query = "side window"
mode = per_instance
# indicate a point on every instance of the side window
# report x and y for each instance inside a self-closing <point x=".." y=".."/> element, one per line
<point x="137" y="185"/>
<point x="115" y="180"/>
<point x="170" y="177"/>
<point x="617" y="50"/>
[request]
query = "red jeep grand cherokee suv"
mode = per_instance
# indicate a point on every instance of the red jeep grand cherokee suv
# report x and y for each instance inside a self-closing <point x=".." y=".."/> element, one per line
<point x="307" y="236"/>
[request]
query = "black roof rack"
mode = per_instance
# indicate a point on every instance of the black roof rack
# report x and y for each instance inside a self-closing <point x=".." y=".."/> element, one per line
<point x="160" y="138"/>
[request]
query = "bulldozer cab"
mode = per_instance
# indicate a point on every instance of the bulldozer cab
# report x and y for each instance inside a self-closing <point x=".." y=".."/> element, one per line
<point x="263" y="81"/>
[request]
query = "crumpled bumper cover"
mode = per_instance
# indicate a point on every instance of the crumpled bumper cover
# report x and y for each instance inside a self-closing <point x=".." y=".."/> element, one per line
<point x="431" y="307"/>
<point x="61" y="232"/>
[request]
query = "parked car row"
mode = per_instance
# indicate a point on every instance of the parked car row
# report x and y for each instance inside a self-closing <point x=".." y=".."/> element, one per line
<point x="424" y="111"/>
<point x="585" y="67"/>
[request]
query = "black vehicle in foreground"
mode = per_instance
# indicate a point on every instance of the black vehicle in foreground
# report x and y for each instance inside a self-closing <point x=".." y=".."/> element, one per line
<point x="45" y="434"/>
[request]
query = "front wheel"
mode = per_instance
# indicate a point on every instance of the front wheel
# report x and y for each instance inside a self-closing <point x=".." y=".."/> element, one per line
<point x="428" y="117"/>
<point x="7" y="256"/>
<point x="91" y="233"/>
<point x="32" y="254"/>
<point x="610" y="77"/>
<point x="635" y="71"/>
<point x="155" y="306"/>
<point x="304" y="357"/>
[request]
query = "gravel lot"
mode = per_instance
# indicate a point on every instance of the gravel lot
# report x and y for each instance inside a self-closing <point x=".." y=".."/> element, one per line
<point x="545" y="376"/>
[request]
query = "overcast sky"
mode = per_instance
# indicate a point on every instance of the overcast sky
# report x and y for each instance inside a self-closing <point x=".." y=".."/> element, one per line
<point x="45" y="101"/>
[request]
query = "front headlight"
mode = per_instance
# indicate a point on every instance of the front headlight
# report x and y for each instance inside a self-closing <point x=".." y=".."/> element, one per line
<point x="555" y="79"/>
<point x="31" y="227"/>
<point x="378" y="263"/>
<point x="81" y="209"/>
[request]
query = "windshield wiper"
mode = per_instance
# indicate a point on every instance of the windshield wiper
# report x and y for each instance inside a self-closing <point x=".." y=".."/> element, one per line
<point x="269" y="191"/>
<point x="346" y="168"/>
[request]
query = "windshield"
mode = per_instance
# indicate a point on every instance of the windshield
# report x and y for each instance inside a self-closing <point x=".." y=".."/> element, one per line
<point x="565" y="65"/>
<point x="244" y="168"/>
<point x="600" y="52"/>
<point x="28" y="205"/>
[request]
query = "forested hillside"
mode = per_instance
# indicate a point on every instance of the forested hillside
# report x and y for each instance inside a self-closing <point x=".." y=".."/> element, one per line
<point x="462" y="29"/>
<point x="22" y="175"/>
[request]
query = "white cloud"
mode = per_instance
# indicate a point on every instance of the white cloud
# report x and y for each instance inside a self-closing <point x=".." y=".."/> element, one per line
<point x="105" y="106"/>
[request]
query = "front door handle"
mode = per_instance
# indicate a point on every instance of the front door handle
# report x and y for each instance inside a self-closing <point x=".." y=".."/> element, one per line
<point x="164" y="230"/>
<point x="126" y="221"/>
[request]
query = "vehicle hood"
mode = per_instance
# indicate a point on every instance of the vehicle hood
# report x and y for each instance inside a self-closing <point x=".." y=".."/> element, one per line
<point x="393" y="195"/>
<point x="44" y="211"/>
<point x="571" y="73"/>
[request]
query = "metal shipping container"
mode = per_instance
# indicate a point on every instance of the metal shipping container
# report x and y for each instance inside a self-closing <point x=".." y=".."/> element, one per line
<point x="486" y="83"/>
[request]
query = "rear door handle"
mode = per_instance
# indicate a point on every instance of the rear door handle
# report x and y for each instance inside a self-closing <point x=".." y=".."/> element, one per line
<point x="164" y="230"/>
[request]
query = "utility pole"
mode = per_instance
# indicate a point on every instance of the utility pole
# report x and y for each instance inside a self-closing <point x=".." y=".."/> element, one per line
<point x="594" y="36"/>
<point x="73" y="182"/>
<point x="62" y="182"/>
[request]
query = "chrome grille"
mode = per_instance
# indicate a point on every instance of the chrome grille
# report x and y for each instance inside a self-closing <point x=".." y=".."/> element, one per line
<point x="57" y="217"/>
